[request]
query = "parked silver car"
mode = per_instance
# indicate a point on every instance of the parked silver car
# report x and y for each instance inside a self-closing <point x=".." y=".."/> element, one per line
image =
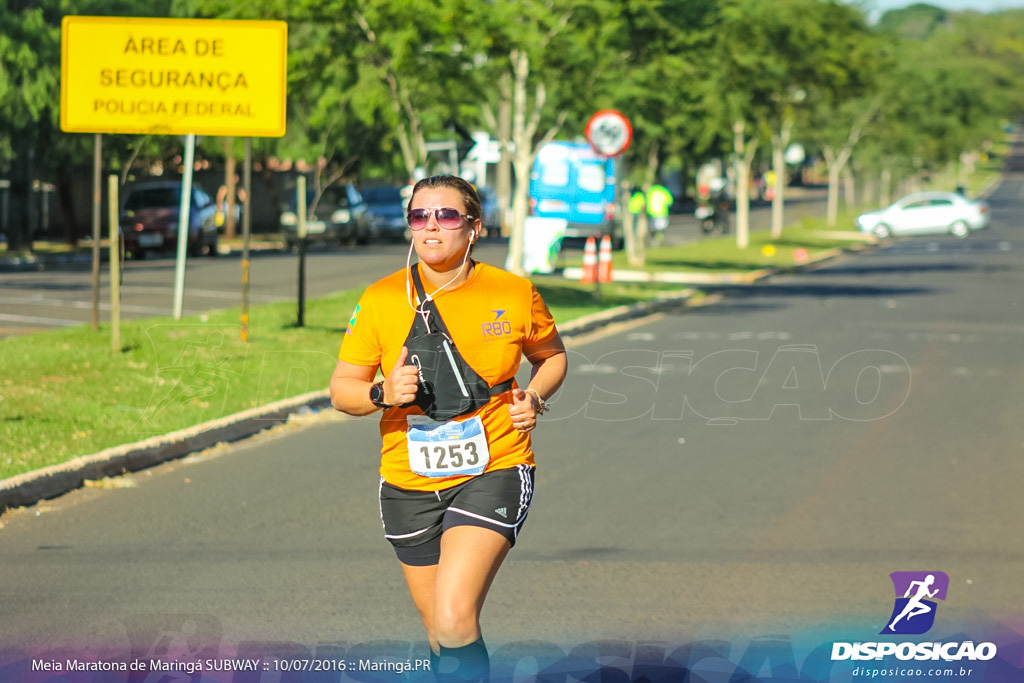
<point x="927" y="213"/>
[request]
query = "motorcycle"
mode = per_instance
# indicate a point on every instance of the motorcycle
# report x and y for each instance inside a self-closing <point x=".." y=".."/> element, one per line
<point x="713" y="216"/>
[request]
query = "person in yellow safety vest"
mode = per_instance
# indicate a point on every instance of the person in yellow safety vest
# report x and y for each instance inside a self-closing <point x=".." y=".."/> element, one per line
<point x="637" y="203"/>
<point x="769" y="184"/>
<point x="659" y="199"/>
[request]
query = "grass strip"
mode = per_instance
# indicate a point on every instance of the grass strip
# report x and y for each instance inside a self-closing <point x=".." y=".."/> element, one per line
<point x="66" y="393"/>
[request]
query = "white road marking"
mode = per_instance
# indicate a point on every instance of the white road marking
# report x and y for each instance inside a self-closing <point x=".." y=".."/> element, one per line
<point x="52" y="322"/>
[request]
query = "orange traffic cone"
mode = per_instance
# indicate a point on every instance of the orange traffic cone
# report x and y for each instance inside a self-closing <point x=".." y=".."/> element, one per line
<point x="589" y="262"/>
<point x="604" y="260"/>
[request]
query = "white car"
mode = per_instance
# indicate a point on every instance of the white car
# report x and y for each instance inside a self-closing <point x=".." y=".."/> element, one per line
<point x="927" y="213"/>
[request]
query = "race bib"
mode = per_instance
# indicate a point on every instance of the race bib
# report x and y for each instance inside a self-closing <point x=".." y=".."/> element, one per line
<point x="446" y="449"/>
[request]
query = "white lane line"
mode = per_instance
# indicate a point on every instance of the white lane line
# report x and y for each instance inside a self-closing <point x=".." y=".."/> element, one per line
<point x="209" y="293"/>
<point x="52" y="322"/>
<point x="84" y="305"/>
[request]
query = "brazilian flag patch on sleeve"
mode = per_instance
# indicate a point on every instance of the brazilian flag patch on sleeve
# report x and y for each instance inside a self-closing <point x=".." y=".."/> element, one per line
<point x="352" y="320"/>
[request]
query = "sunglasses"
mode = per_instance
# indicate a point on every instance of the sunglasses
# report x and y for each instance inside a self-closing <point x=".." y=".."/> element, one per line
<point x="447" y="217"/>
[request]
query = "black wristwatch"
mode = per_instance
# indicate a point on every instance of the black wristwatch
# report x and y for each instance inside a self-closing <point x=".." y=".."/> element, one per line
<point x="377" y="395"/>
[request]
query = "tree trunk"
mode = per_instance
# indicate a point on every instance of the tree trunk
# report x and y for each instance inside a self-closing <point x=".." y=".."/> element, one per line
<point x="832" y="210"/>
<point x="836" y="162"/>
<point x="523" y="160"/>
<point x="745" y="150"/>
<point x="520" y="200"/>
<point x="779" y="145"/>
<point x="407" y="154"/>
<point x="849" y="189"/>
<point x="69" y="229"/>
<point x="23" y="198"/>
<point x="636" y="245"/>
<point x="503" y="179"/>
<point x="629" y="227"/>
<point x="523" y="131"/>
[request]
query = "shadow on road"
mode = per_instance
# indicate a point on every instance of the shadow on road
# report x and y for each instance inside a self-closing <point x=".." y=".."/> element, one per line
<point x="817" y="291"/>
<point x="857" y="270"/>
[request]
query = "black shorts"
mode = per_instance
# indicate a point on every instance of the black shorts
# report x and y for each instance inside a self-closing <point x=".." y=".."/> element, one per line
<point x="414" y="520"/>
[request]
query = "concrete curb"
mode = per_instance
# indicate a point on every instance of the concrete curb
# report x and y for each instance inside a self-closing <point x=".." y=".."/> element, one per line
<point x="24" y="264"/>
<point x="688" y="277"/>
<point x="50" y="482"/>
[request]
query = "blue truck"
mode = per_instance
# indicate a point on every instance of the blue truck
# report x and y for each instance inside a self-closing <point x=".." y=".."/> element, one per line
<point x="571" y="181"/>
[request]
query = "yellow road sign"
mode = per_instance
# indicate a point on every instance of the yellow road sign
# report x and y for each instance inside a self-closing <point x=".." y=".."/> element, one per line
<point x="173" y="76"/>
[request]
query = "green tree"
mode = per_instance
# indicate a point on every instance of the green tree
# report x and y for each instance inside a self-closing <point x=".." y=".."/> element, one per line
<point x="29" y="53"/>
<point x="330" y="129"/>
<point x="656" y="50"/>
<point x="34" y="152"/>
<point x="546" y="58"/>
<point x="740" y="87"/>
<point x="914" y="22"/>
<point x="956" y="75"/>
<point x="827" y="60"/>
<point x="29" y="77"/>
<point x="413" y="60"/>
<point x="943" y="96"/>
<point x="842" y="125"/>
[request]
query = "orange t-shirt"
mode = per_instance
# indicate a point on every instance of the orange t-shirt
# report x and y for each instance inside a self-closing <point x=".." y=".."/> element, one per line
<point x="492" y="317"/>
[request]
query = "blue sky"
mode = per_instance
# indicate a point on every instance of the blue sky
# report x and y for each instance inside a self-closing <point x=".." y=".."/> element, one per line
<point x="980" y="5"/>
<point x="875" y="8"/>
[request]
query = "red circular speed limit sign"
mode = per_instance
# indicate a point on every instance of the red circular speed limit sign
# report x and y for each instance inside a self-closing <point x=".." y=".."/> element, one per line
<point x="609" y="132"/>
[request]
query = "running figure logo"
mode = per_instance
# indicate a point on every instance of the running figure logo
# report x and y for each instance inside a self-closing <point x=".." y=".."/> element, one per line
<point x="914" y="612"/>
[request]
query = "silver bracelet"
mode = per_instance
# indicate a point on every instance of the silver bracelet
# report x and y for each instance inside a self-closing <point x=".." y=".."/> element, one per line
<point x="542" y="405"/>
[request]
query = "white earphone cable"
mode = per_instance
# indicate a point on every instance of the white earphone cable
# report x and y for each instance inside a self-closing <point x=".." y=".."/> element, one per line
<point x="430" y="297"/>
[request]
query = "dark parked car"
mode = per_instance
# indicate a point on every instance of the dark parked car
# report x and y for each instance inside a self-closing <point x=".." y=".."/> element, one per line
<point x="339" y="217"/>
<point x="150" y="215"/>
<point x="492" y="216"/>
<point x="386" y="207"/>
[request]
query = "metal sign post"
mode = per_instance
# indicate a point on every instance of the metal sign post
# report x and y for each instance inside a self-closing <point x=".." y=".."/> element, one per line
<point x="300" y="203"/>
<point x="183" y="223"/>
<point x="97" y="200"/>
<point x="246" y="236"/>
<point x="609" y="133"/>
<point x="115" y="265"/>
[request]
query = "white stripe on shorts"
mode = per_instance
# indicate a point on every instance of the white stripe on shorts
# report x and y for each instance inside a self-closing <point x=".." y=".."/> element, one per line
<point x="525" y="500"/>
<point x="525" y="493"/>
<point x="380" y="505"/>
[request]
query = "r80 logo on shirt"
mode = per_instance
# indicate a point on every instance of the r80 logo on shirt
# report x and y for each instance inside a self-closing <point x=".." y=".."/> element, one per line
<point x="498" y="327"/>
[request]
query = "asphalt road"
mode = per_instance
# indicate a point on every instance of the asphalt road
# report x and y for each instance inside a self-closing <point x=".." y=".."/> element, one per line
<point x="732" y="484"/>
<point x="62" y="296"/>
